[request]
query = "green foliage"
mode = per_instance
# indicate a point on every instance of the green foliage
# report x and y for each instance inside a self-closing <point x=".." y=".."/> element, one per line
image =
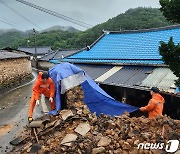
<point x="139" y="18"/>
<point x="8" y="39"/>
<point x="171" y="9"/>
<point x="171" y="52"/>
<point x="171" y="56"/>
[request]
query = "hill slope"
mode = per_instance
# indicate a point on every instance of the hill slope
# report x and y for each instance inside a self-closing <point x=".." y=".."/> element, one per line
<point x="61" y="28"/>
<point x="9" y="37"/>
<point x="139" y="18"/>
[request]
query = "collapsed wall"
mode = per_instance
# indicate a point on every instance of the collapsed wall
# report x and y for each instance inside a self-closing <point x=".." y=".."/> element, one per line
<point x="77" y="130"/>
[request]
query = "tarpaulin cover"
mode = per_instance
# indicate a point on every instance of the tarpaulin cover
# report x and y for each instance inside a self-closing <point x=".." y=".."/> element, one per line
<point x="95" y="98"/>
<point x="178" y="89"/>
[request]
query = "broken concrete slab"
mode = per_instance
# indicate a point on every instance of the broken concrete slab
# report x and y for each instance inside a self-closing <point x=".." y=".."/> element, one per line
<point x="51" y="124"/>
<point x="98" y="150"/>
<point x="82" y="128"/>
<point x="65" y="114"/>
<point x="68" y="139"/>
<point x="104" y="141"/>
<point x="177" y="152"/>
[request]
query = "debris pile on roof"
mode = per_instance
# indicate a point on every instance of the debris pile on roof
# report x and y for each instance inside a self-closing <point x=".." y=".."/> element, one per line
<point x="76" y="130"/>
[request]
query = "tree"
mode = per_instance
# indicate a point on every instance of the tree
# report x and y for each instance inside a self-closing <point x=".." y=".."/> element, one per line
<point x="169" y="51"/>
<point x="171" y="56"/>
<point x="171" y="9"/>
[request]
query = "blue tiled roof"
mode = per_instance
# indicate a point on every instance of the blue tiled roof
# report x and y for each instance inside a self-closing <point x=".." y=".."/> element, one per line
<point x="133" y="47"/>
<point x="114" y="61"/>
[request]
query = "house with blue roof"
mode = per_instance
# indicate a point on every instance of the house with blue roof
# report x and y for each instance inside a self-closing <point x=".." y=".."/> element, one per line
<point x="138" y="47"/>
<point x="127" y="64"/>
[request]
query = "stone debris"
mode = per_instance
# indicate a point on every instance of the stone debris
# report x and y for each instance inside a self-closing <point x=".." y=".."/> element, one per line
<point x="65" y="114"/>
<point x="77" y="130"/>
<point x="68" y="139"/>
<point x="98" y="150"/>
<point x="104" y="141"/>
<point x="82" y="129"/>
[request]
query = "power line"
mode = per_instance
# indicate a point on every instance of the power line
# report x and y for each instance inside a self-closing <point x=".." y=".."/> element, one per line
<point x="19" y="14"/>
<point x="11" y="23"/>
<point x="7" y="23"/>
<point x="77" y="22"/>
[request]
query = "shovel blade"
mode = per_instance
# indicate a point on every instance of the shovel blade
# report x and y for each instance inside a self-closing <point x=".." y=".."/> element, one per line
<point x="35" y="124"/>
<point x="17" y="140"/>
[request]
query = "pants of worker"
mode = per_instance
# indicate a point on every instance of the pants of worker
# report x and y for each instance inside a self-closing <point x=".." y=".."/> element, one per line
<point x="33" y="103"/>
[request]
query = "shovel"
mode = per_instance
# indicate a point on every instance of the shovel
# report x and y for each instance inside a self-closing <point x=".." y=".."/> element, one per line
<point x="34" y="125"/>
<point x="18" y="140"/>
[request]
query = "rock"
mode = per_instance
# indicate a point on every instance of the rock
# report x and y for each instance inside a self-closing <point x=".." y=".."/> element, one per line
<point x="177" y="152"/>
<point x="146" y="135"/>
<point x="118" y="151"/>
<point x="117" y="145"/>
<point x="157" y="151"/>
<point x="79" y="151"/>
<point x="133" y="151"/>
<point x="110" y="152"/>
<point x="79" y="112"/>
<point x="68" y="139"/>
<point x="65" y="114"/>
<point x="98" y="150"/>
<point x="85" y="110"/>
<point x="82" y="128"/>
<point x="121" y="142"/>
<point x="153" y="122"/>
<point x="81" y="145"/>
<point x="125" y="152"/>
<point x="130" y="141"/>
<point x="136" y="142"/>
<point x="63" y="148"/>
<point x="104" y="141"/>
<point x="126" y="146"/>
<point x="51" y="124"/>
<point x="111" y="124"/>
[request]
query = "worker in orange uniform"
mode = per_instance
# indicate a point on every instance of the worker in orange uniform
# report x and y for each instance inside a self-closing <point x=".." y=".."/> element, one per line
<point x="155" y="105"/>
<point x="43" y="85"/>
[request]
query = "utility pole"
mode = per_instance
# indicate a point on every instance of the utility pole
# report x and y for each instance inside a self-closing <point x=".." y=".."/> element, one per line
<point x="35" y="56"/>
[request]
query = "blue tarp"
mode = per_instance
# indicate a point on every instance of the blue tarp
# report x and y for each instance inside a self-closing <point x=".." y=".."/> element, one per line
<point x="96" y="99"/>
<point x="178" y="89"/>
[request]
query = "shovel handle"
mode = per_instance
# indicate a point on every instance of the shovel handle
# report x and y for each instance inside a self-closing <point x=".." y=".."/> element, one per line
<point x="34" y="130"/>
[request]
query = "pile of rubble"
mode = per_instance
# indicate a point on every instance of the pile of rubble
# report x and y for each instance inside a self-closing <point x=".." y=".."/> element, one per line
<point x="74" y="96"/>
<point x="76" y="130"/>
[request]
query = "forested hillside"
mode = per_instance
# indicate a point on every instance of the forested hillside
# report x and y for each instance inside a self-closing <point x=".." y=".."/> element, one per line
<point x="139" y="18"/>
<point x="9" y="38"/>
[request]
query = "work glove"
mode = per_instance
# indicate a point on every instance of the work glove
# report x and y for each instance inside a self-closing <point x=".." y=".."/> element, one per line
<point x="37" y="102"/>
<point x="142" y="109"/>
<point x="51" y="99"/>
<point x="30" y="119"/>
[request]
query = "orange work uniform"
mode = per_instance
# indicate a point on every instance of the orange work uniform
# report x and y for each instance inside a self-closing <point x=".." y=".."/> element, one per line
<point x="41" y="88"/>
<point x="155" y="106"/>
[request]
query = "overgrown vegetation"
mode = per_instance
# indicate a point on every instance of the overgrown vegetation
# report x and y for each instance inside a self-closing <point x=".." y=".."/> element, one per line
<point x="171" y="56"/>
<point x="169" y="51"/>
<point x="9" y="38"/>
